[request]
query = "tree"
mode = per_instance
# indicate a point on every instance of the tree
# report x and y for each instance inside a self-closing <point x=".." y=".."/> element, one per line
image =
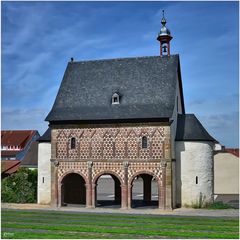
<point x="20" y="187"/>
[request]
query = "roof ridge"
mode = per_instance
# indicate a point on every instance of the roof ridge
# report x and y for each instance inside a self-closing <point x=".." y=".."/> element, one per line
<point x="122" y="58"/>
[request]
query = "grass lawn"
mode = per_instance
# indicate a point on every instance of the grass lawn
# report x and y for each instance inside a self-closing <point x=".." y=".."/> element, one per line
<point x="51" y="224"/>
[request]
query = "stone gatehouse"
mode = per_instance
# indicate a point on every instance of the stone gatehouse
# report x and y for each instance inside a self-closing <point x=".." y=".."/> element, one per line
<point x="124" y="118"/>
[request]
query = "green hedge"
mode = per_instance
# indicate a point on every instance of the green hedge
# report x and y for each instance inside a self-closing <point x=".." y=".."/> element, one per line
<point x="20" y="187"/>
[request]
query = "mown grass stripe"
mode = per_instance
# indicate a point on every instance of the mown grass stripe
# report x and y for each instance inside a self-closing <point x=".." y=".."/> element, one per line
<point x="12" y="231"/>
<point x="142" y="219"/>
<point x="63" y="235"/>
<point x="130" y="231"/>
<point x="132" y="225"/>
<point x="113" y="215"/>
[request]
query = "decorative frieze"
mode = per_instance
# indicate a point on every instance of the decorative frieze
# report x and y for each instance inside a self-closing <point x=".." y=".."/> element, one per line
<point x="112" y="143"/>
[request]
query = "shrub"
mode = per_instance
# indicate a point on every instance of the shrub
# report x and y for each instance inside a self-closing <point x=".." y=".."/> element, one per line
<point x="20" y="187"/>
<point x="218" y="205"/>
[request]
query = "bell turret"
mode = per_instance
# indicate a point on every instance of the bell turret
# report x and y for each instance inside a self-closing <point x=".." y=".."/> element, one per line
<point x="164" y="37"/>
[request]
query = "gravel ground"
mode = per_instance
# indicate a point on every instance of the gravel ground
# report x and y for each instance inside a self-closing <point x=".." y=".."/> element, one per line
<point x="176" y="212"/>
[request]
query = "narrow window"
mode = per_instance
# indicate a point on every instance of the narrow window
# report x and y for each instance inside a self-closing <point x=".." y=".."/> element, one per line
<point x="43" y="180"/>
<point x="73" y="143"/>
<point x="196" y="179"/>
<point x="144" y="142"/>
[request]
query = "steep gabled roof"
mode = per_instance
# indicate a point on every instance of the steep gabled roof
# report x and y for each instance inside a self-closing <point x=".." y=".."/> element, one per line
<point x="146" y="86"/>
<point x="16" y="137"/>
<point x="189" y="128"/>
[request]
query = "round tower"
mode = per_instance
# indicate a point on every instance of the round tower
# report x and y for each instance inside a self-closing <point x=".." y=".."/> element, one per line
<point x="164" y="37"/>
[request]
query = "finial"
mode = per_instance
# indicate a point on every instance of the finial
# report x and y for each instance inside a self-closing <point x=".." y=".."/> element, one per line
<point x="163" y="19"/>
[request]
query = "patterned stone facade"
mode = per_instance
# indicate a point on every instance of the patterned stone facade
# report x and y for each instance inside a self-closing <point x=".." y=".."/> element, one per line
<point x="111" y="143"/>
<point x="117" y="151"/>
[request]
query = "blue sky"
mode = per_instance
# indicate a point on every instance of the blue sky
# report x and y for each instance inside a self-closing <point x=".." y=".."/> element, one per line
<point x="39" y="38"/>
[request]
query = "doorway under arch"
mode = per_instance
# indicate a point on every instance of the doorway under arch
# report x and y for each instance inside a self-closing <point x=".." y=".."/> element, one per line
<point x="108" y="191"/>
<point x="73" y="190"/>
<point x="144" y="191"/>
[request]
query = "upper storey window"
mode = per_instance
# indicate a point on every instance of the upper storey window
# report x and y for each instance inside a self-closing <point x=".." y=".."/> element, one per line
<point x="73" y="143"/>
<point x="115" y="98"/>
<point x="144" y="142"/>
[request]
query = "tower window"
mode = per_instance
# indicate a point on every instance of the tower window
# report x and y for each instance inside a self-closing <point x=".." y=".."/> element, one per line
<point x="73" y="143"/>
<point x="115" y="98"/>
<point x="144" y="142"/>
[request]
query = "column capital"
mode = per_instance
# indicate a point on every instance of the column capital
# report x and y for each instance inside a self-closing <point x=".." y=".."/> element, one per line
<point x="89" y="164"/>
<point x="163" y="164"/>
<point x="56" y="163"/>
<point x="126" y="164"/>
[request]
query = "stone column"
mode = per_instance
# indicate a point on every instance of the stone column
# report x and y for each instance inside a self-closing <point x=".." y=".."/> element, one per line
<point x="124" y="187"/>
<point x="94" y="195"/>
<point x="130" y="186"/>
<point x="162" y="186"/>
<point x="147" y="187"/>
<point x="168" y="185"/>
<point x="54" y="183"/>
<point x="89" y="185"/>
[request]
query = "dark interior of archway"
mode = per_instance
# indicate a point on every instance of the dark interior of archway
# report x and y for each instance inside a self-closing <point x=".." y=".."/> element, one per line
<point x="73" y="189"/>
<point x="108" y="192"/>
<point x="144" y="192"/>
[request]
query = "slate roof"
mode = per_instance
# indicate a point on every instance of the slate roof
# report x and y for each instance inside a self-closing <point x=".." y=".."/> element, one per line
<point x="46" y="137"/>
<point x="189" y="128"/>
<point x="146" y="85"/>
<point x="31" y="157"/>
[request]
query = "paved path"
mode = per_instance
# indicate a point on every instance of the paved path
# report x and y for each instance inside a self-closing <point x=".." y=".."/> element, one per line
<point x="176" y="212"/>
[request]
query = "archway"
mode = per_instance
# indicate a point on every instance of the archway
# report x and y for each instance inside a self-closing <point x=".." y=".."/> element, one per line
<point x="144" y="191"/>
<point x="108" y="191"/>
<point x="73" y="190"/>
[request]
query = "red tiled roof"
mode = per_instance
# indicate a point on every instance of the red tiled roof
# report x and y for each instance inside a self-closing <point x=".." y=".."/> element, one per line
<point x="9" y="166"/>
<point x="16" y="137"/>
<point x="6" y="153"/>
<point x="234" y="151"/>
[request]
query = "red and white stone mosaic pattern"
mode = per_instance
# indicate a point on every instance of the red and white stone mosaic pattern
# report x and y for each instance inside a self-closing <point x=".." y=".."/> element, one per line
<point x="111" y="143"/>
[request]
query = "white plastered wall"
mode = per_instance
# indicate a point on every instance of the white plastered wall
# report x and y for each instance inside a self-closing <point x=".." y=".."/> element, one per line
<point x="226" y="173"/>
<point x="194" y="159"/>
<point x="44" y="173"/>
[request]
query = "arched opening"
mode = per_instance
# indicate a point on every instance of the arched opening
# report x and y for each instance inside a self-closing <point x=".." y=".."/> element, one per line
<point x="144" y="192"/>
<point x="73" y="190"/>
<point x="108" y="191"/>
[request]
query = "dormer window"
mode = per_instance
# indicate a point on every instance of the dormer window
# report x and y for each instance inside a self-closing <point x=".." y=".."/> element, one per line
<point x="73" y="143"/>
<point x="115" y="98"/>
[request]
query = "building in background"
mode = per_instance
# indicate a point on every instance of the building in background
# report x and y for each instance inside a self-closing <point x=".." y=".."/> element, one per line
<point x="226" y="176"/>
<point x="15" y="143"/>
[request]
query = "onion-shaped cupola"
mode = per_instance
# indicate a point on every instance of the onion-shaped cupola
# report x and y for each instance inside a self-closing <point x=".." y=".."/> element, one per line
<point x="164" y="37"/>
